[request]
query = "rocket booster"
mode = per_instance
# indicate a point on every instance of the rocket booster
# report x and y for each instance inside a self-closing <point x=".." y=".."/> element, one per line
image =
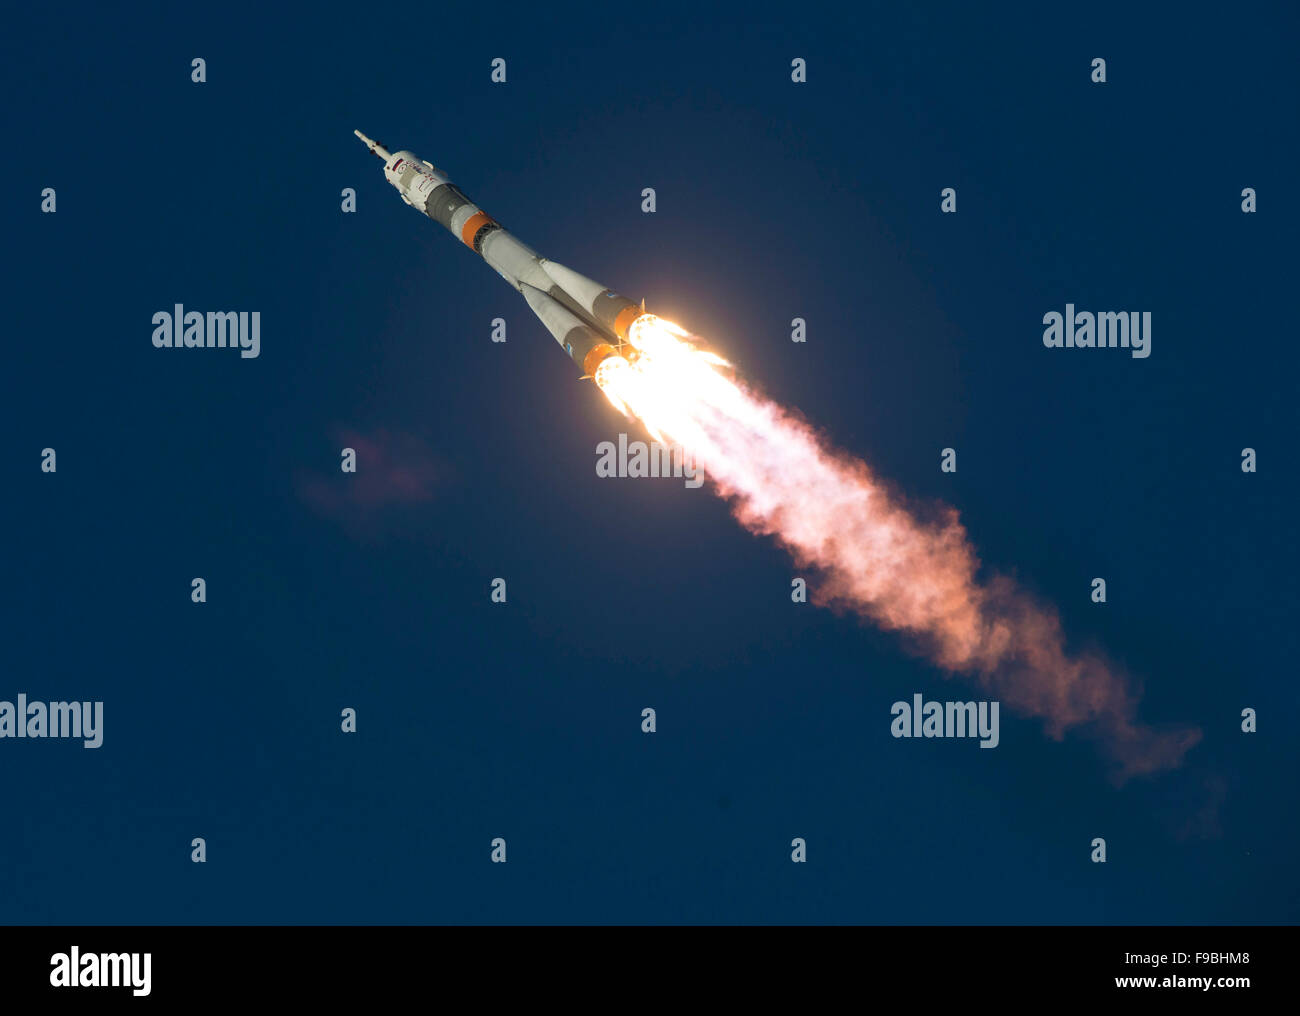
<point x="589" y="321"/>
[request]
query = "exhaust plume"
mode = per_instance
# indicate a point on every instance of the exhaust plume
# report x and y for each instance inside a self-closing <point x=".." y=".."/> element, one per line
<point x="875" y="557"/>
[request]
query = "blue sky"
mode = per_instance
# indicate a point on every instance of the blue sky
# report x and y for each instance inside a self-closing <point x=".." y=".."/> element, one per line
<point x="522" y="721"/>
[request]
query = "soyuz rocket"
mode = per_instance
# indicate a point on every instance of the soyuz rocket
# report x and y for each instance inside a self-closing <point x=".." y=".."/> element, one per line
<point x="589" y="321"/>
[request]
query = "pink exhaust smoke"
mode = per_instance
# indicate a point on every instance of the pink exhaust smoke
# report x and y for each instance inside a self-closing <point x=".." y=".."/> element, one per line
<point x="874" y="557"/>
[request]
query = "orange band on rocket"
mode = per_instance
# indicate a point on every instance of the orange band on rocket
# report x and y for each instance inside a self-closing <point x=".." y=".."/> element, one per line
<point x="472" y="226"/>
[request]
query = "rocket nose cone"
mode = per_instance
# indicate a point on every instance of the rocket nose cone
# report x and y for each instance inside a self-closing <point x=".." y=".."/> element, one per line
<point x="374" y="146"/>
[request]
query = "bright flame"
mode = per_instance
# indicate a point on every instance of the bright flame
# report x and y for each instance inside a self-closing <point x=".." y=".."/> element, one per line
<point x="875" y="557"/>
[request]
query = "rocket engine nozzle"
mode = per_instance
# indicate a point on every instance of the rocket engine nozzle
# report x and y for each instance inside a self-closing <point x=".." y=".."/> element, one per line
<point x="596" y="355"/>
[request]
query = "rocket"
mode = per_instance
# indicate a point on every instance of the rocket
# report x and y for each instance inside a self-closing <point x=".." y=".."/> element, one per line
<point x="589" y="321"/>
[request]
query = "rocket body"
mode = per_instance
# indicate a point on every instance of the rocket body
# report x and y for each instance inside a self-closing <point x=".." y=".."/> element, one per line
<point x="588" y="320"/>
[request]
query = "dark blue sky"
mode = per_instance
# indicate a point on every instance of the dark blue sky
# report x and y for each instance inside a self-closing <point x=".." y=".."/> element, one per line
<point x="775" y="201"/>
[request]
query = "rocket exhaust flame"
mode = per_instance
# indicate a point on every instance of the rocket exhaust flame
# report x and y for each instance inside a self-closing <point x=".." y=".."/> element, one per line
<point x="873" y="556"/>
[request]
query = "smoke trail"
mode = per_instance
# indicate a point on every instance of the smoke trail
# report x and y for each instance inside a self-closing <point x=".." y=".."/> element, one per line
<point x="875" y="557"/>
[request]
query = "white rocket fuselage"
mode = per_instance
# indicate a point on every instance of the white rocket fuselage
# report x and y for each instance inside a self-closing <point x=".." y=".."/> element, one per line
<point x="588" y="320"/>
